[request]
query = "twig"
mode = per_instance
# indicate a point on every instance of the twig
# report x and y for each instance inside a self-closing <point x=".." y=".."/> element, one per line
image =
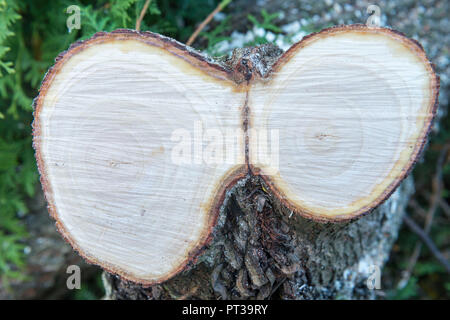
<point x="417" y="208"/>
<point x="142" y="14"/>
<point x="444" y="206"/>
<point x="202" y="25"/>
<point x="427" y="240"/>
<point x="277" y="286"/>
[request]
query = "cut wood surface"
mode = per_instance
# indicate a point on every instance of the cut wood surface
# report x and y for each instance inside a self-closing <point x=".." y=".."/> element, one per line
<point x="353" y="107"/>
<point x="127" y="126"/>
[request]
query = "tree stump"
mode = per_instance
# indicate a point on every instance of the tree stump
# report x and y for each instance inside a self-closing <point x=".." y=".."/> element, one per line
<point x="289" y="151"/>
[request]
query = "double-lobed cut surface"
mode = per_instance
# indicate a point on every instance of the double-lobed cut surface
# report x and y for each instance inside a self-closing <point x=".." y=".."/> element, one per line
<point x="126" y="129"/>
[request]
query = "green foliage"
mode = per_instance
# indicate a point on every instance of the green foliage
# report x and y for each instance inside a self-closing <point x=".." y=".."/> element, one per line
<point x="8" y="15"/>
<point x="268" y="21"/>
<point x="408" y="292"/>
<point x="216" y="35"/>
<point x="17" y="165"/>
<point x="267" y="24"/>
<point x="221" y="32"/>
<point x="90" y="290"/>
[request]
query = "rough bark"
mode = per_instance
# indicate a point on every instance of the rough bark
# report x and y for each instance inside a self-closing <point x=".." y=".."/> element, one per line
<point x="262" y="251"/>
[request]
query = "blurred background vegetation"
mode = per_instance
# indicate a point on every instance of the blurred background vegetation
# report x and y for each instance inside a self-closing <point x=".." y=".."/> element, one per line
<point x="33" y="33"/>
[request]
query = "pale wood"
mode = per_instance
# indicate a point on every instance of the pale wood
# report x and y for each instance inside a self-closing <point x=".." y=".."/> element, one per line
<point x="352" y="107"/>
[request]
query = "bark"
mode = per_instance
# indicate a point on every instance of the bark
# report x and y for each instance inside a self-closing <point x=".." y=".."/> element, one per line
<point x="263" y="251"/>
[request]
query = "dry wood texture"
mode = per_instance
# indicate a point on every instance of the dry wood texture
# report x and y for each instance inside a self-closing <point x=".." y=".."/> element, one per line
<point x="138" y="137"/>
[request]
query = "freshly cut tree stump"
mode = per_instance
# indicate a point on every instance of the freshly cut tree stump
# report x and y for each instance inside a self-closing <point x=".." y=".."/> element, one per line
<point x="140" y="140"/>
